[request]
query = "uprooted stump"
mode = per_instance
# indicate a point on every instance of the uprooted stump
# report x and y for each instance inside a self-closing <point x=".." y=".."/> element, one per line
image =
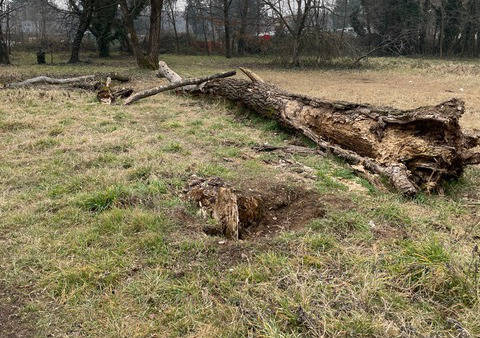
<point x="240" y="212"/>
<point x="415" y="149"/>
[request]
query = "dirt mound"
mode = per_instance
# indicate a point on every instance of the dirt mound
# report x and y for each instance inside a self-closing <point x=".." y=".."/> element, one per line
<point x="254" y="209"/>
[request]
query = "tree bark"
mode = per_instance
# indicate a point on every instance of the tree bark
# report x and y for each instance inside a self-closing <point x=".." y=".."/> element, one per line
<point x="4" y="55"/>
<point x="174" y="25"/>
<point x="227" y="28"/>
<point x="85" y="17"/>
<point x="416" y="149"/>
<point x="242" y="45"/>
<point x="128" y="16"/>
<point x="154" y="32"/>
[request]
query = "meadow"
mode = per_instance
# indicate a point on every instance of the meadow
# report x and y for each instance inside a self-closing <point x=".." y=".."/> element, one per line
<point x="97" y="239"/>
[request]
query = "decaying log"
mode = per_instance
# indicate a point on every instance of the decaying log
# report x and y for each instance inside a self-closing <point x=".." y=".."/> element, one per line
<point x="173" y="85"/>
<point x="416" y="149"/>
<point x="49" y="80"/>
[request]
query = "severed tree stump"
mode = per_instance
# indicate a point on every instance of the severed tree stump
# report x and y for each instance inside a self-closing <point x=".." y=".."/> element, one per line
<point x="416" y="149"/>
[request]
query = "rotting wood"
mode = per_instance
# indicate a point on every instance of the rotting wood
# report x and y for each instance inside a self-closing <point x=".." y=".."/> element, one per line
<point x="415" y="149"/>
<point x="106" y="95"/>
<point x="231" y="210"/>
<point x="157" y="90"/>
<point x="252" y="208"/>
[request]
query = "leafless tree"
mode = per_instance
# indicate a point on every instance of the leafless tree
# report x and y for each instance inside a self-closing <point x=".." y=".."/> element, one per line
<point x="293" y="15"/>
<point x="6" y="9"/>
<point x="130" y="9"/>
<point x="171" y="11"/>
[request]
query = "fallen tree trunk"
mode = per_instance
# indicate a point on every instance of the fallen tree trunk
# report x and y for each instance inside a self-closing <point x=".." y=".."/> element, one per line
<point x="79" y="79"/>
<point x="49" y="80"/>
<point x="416" y="149"/>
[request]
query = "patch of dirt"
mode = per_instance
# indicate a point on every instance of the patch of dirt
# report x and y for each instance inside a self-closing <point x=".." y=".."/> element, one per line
<point x="386" y="231"/>
<point x="339" y="202"/>
<point x="283" y="208"/>
<point x="256" y="208"/>
<point x="11" y="323"/>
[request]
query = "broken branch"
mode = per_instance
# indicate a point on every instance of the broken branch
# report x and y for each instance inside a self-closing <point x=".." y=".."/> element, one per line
<point x="251" y="75"/>
<point x="49" y="80"/>
<point x="193" y="81"/>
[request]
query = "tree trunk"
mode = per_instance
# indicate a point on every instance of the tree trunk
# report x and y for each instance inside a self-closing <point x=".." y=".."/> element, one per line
<point x="442" y="29"/>
<point x="154" y="32"/>
<point x="84" y="21"/>
<point x="243" y="28"/>
<point x="174" y="24"/>
<point x="296" y="51"/>
<point x="4" y="57"/>
<point x="416" y="149"/>
<point x="205" y="38"/>
<point x="345" y="9"/>
<point x="226" y="23"/>
<point x="142" y="61"/>
<point x="212" y="25"/>
<point x="103" y="44"/>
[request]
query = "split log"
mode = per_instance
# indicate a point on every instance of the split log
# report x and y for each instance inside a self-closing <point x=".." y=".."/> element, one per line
<point x="416" y="149"/>
<point x="49" y="80"/>
<point x="178" y="84"/>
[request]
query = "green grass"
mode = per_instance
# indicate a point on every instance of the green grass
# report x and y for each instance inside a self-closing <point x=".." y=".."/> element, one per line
<point x="97" y="239"/>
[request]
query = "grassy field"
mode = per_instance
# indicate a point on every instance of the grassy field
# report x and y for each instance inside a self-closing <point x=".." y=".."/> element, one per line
<point x="96" y="238"/>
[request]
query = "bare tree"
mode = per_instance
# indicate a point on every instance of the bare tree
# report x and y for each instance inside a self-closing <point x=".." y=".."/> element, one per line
<point x="6" y="9"/>
<point x="293" y="15"/>
<point x="172" y="18"/>
<point x="131" y="10"/>
<point x="83" y="9"/>
<point x="153" y="49"/>
<point x="227" y="27"/>
<point x="4" y="55"/>
<point x="243" y="26"/>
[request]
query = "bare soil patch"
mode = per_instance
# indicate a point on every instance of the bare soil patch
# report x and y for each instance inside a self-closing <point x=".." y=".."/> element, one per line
<point x="284" y="208"/>
<point x="264" y="207"/>
<point x="11" y="323"/>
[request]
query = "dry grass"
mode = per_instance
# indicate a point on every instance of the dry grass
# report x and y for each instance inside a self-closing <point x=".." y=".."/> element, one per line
<point x="96" y="240"/>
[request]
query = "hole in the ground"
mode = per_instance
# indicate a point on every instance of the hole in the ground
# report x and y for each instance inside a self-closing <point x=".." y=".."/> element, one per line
<point x="254" y="209"/>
